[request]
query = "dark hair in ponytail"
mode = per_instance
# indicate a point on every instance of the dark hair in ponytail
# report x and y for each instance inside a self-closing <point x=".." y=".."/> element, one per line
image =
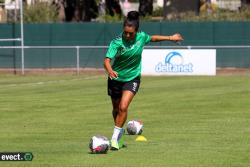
<point x="132" y="20"/>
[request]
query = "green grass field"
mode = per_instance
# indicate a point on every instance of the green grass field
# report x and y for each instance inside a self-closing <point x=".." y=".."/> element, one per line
<point x="188" y="121"/>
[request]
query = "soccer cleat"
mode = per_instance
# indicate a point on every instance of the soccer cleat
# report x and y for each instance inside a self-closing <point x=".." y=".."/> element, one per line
<point x="121" y="139"/>
<point x="114" y="145"/>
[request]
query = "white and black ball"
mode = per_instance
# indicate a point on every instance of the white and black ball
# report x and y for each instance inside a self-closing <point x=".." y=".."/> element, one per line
<point x="99" y="144"/>
<point x="134" y="127"/>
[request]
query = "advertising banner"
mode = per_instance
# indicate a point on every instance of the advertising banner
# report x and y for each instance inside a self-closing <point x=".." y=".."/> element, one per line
<point x="179" y="62"/>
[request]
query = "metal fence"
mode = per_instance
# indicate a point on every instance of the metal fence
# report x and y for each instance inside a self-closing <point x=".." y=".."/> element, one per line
<point x="77" y="53"/>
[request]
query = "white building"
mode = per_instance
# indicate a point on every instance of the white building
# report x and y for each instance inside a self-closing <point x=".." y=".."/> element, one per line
<point x="229" y="4"/>
<point x="223" y="4"/>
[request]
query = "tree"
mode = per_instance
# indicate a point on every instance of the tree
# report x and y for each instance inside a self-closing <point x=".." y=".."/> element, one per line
<point x="40" y="12"/>
<point x="89" y="10"/>
<point x="245" y="1"/>
<point x="113" y="7"/>
<point x="145" y="7"/>
<point x="69" y="7"/>
<point x="80" y="10"/>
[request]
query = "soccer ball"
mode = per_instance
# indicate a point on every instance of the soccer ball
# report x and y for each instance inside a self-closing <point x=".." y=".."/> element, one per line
<point x="99" y="144"/>
<point x="134" y="127"/>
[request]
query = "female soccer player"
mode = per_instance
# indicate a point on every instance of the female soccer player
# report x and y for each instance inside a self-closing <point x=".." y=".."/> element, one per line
<point x="125" y="72"/>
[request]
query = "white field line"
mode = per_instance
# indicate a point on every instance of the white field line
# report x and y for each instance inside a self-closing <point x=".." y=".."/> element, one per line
<point x="49" y="82"/>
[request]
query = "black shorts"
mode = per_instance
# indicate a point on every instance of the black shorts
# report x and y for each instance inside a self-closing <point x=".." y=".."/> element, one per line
<point x="115" y="88"/>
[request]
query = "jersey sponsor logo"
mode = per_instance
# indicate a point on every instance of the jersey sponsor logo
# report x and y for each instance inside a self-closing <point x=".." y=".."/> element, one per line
<point x="174" y="62"/>
<point x="137" y="44"/>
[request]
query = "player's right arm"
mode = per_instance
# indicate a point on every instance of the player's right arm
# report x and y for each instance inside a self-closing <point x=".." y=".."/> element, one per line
<point x="107" y="65"/>
<point x="111" y="53"/>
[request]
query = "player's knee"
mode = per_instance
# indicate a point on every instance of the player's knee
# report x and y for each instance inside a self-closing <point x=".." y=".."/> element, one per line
<point x="123" y="108"/>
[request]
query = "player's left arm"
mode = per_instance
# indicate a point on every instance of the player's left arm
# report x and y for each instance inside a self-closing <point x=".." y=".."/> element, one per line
<point x="175" y="38"/>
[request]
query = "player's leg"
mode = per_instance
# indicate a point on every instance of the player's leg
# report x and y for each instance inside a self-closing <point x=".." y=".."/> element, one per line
<point x="115" y="104"/>
<point x="115" y="91"/>
<point x="117" y="138"/>
<point x="129" y="90"/>
<point x="117" y="131"/>
<point x="126" y="99"/>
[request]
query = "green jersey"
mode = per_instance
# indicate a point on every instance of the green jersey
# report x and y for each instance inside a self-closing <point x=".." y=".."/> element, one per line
<point x="127" y="55"/>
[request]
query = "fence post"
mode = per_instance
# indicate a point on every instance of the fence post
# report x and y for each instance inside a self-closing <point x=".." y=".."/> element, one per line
<point x="22" y="36"/>
<point x="77" y="60"/>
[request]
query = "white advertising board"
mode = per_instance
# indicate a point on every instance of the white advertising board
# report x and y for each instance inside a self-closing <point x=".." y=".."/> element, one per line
<point x="179" y="62"/>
